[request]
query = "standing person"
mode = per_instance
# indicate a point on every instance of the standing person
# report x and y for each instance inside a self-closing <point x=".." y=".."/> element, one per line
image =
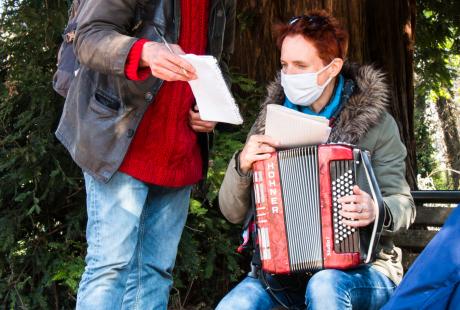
<point x="129" y="123"/>
<point x="314" y="79"/>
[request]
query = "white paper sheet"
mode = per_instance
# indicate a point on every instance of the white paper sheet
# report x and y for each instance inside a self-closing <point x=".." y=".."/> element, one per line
<point x="293" y="128"/>
<point x="213" y="98"/>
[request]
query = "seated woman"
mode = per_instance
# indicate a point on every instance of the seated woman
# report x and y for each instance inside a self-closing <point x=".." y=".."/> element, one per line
<point x="315" y="80"/>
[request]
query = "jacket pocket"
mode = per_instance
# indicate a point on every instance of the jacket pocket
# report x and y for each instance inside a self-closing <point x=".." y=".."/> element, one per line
<point x="100" y="138"/>
<point x="107" y="101"/>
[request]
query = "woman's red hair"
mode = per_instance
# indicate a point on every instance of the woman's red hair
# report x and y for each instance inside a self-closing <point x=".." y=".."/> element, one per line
<point x="321" y="29"/>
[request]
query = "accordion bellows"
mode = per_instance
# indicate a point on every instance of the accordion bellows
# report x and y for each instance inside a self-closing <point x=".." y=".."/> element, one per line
<point x="298" y="224"/>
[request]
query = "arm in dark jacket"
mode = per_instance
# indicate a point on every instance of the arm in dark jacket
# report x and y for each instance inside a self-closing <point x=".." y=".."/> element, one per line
<point x="102" y="42"/>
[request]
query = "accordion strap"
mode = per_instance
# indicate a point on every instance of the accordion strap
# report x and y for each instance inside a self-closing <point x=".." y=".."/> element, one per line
<point x="378" y="203"/>
<point x="256" y="262"/>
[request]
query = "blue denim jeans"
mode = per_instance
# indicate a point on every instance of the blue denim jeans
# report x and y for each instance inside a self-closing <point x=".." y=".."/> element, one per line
<point x="361" y="288"/>
<point x="133" y="232"/>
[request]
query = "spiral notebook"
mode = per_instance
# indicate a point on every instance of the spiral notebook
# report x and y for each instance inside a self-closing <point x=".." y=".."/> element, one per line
<point x="293" y="128"/>
<point x="212" y="95"/>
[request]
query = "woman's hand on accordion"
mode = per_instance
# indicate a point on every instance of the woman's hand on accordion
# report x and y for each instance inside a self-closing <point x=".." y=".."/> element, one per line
<point x="258" y="147"/>
<point x="358" y="210"/>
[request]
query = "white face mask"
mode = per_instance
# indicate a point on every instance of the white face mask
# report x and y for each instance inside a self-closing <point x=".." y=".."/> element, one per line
<point x="303" y="89"/>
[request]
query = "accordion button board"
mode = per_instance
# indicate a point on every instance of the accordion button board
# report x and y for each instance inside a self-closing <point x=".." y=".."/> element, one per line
<point x="346" y="238"/>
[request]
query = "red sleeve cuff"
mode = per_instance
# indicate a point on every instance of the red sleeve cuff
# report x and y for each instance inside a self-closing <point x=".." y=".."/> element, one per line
<point x="132" y="69"/>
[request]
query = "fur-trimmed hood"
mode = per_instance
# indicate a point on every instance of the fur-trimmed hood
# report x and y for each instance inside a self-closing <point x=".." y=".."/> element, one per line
<point x="364" y="109"/>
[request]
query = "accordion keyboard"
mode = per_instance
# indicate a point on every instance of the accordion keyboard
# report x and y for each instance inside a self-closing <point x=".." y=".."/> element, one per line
<point x="299" y="179"/>
<point x="346" y="238"/>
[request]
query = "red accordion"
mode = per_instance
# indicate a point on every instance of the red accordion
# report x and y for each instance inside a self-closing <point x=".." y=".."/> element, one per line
<point x="298" y="225"/>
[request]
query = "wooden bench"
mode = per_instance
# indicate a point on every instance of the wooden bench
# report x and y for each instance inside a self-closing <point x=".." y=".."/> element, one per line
<point x="427" y="223"/>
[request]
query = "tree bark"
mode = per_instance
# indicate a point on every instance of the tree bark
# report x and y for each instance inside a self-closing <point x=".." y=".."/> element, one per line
<point x="380" y="34"/>
<point x="448" y="116"/>
<point x="390" y="37"/>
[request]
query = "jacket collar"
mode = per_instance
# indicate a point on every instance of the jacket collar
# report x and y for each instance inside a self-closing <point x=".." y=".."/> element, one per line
<point x="364" y="109"/>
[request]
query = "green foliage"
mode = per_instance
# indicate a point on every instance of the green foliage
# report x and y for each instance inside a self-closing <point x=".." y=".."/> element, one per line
<point x="42" y="201"/>
<point x="41" y="210"/>
<point x="441" y="180"/>
<point x="438" y="45"/>
<point x="426" y="161"/>
<point x="437" y="59"/>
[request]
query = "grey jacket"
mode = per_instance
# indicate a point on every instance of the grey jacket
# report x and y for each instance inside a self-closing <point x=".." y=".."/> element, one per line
<point x="365" y="123"/>
<point x="103" y="109"/>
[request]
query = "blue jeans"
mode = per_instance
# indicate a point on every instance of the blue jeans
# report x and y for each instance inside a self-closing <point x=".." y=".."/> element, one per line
<point x="433" y="280"/>
<point x="361" y="288"/>
<point x="133" y="232"/>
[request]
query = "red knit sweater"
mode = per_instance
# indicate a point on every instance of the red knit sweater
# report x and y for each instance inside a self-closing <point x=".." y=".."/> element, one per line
<point x="164" y="150"/>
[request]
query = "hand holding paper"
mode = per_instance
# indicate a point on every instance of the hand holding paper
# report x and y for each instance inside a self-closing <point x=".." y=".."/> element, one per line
<point x="213" y="98"/>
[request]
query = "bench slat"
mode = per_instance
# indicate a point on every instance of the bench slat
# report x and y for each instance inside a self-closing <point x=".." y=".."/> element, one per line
<point x="414" y="239"/>
<point x="432" y="216"/>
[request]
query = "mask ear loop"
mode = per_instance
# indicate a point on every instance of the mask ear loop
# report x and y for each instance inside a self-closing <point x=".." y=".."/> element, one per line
<point x="321" y="71"/>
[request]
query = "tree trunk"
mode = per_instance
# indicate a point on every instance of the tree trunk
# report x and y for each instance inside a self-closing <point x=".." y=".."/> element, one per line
<point x="380" y="34"/>
<point x="390" y="36"/>
<point x="448" y="116"/>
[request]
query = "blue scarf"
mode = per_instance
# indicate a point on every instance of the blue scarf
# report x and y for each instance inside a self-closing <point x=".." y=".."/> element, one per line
<point x="329" y="110"/>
